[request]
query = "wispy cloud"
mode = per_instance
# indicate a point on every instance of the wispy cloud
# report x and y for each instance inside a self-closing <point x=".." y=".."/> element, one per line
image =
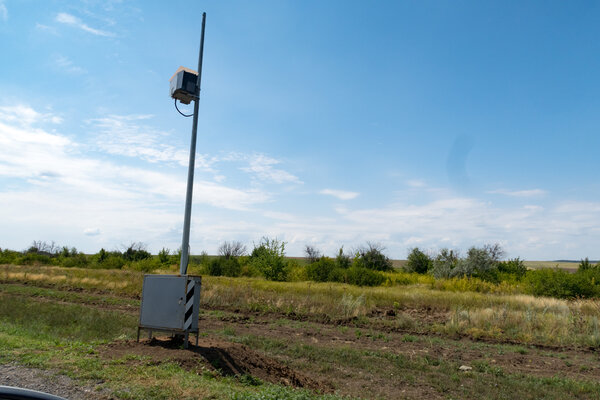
<point x="44" y="159"/>
<point x="416" y="183"/>
<point x="3" y="11"/>
<point x="66" y="65"/>
<point x="72" y="20"/>
<point x="22" y="115"/>
<point x="46" y="28"/>
<point x="519" y="193"/>
<point x="340" y="194"/>
<point x="91" y="231"/>
<point x="129" y="135"/>
<point x="263" y="168"/>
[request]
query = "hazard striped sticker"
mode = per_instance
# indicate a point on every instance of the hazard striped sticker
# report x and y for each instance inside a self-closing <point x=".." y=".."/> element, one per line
<point x="189" y="305"/>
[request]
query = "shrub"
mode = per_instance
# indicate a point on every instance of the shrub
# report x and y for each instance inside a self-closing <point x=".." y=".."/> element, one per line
<point x="585" y="265"/>
<point x="339" y="275"/>
<point x="43" y="248"/>
<point x="9" y="256"/>
<point x="312" y="255"/>
<point x="136" y="252"/>
<point x="75" y="261"/>
<point x="481" y="262"/>
<point x="418" y="262"/>
<point x="514" y="266"/>
<point x="343" y="260"/>
<point x="101" y="256"/>
<point x="444" y="263"/>
<point x="268" y="257"/>
<point x="232" y="249"/>
<point x="371" y="257"/>
<point x="363" y="276"/>
<point x="164" y="256"/>
<point x="321" y="269"/>
<point x="562" y="284"/>
<point x="112" y="262"/>
<point x="224" y="266"/>
<point x="31" y="258"/>
<point x="145" y="265"/>
<point x="296" y="272"/>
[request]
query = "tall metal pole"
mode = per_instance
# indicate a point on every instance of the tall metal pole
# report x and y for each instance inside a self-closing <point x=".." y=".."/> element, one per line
<point x="185" y="243"/>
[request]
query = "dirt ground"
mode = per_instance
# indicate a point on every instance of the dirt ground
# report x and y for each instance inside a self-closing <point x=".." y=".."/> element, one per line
<point x="230" y="359"/>
<point x="222" y="330"/>
<point x="214" y="353"/>
<point x="48" y="382"/>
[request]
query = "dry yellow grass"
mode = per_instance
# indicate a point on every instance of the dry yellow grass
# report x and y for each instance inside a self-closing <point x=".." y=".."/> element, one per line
<point x="525" y="318"/>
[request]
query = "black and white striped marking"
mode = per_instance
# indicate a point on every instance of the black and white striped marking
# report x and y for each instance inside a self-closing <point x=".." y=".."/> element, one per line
<point x="189" y="305"/>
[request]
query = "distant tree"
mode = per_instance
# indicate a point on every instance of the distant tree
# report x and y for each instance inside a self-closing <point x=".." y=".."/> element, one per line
<point x="444" y="263"/>
<point x="371" y="257"/>
<point x="418" y="261"/>
<point x="312" y="254"/>
<point x="232" y="249"/>
<point x="268" y="257"/>
<point x="585" y="264"/>
<point x="342" y="260"/>
<point x="43" y="248"/>
<point x="136" y="251"/>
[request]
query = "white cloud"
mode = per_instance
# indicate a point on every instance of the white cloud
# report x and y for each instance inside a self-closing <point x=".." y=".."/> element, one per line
<point x="126" y="135"/>
<point x="72" y="20"/>
<point x="91" y="231"/>
<point x="415" y="183"/>
<point x="65" y="64"/>
<point x="22" y="115"/>
<point x="58" y="187"/>
<point x="262" y="167"/>
<point x="46" y="28"/>
<point x="340" y="194"/>
<point x="519" y="193"/>
<point x="131" y="136"/>
<point x="3" y="11"/>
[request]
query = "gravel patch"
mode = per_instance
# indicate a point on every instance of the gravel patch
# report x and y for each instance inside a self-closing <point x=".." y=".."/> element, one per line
<point x="49" y="382"/>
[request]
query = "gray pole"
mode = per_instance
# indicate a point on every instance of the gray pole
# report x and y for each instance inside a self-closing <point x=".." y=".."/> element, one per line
<point x="185" y="243"/>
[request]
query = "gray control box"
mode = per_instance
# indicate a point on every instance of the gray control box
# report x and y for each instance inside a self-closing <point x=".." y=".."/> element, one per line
<point x="170" y="303"/>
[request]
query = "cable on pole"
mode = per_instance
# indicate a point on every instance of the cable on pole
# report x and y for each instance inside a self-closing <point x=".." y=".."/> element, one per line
<point x="177" y="108"/>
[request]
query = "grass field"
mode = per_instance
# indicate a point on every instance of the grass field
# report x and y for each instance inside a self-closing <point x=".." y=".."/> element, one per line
<point x="300" y="340"/>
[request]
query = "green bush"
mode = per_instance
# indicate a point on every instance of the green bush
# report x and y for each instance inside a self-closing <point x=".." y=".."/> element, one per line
<point x="224" y="266"/>
<point x="418" y="262"/>
<point x="35" y="258"/>
<point x="444" y="263"/>
<point x="268" y="257"/>
<point x="136" y="252"/>
<point x="481" y="262"/>
<point x="562" y="284"/>
<point x="363" y="276"/>
<point x="343" y="260"/>
<point x="74" y="261"/>
<point x="296" y="272"/>
<point x="372" y="257"/>
<point x="321" y="269"/>
<point x="112" y="262"/>
<point x="145" y="265"/>
<point x="514" y="267"/>
<point x="9" y="256"/>
<point x="585" y="265"/>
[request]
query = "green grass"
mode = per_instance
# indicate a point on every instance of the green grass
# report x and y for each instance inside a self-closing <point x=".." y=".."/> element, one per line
<point x="484" y="382"/>
<point x="56" y="327"/>
<point x="492" y="316"/>
<point x="65" y="337"/>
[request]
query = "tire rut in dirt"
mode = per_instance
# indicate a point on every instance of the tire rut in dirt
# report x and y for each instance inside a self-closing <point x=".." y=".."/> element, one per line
<point x="230" y="359"/>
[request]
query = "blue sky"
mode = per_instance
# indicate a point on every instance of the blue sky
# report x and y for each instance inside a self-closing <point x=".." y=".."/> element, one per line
<point x="430" y="124"/>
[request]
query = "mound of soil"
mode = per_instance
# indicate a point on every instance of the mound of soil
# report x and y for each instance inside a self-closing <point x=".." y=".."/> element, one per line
<point x="230" y="359"/>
